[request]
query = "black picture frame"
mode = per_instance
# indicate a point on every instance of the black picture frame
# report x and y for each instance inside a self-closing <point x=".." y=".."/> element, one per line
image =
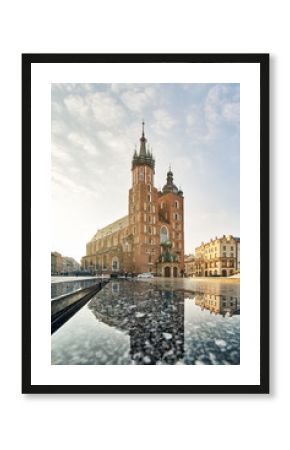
<point x="263" y="61"/>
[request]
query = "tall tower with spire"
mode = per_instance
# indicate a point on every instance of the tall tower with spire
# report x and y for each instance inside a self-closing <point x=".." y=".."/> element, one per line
<point x="143" y="208"/>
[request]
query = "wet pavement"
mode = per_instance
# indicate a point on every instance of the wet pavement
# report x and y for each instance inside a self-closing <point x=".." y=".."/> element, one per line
<point x="156" y="321"/>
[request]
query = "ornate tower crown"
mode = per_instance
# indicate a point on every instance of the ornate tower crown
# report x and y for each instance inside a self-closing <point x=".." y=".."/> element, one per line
<point x="170" y="186"/>
<point x="145" y="157"/>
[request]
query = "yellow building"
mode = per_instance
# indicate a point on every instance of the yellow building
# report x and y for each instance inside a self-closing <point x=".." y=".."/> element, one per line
<point x="218" y="257"/>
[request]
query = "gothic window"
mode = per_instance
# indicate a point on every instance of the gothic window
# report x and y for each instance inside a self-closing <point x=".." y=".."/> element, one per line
<point x="149" y="197"/>
<point x="163" y="235"/>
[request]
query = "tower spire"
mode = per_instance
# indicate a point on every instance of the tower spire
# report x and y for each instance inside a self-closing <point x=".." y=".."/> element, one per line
<point x="144" y="157"/>
<point x="143" y="141"/>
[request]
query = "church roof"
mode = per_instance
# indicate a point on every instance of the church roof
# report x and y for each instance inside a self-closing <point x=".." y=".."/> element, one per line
<point x="118" y="225"/>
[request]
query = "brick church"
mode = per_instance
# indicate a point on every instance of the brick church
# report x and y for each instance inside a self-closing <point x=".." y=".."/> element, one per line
<point x="151" y="237"/>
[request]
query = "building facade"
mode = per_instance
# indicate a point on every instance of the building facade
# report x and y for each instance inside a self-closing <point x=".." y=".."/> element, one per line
<point x="189" y="265"/>
<point x="63" y="264"/>
<point x="219" y="257"/>
<point x="151" y="237"/>
<point x="56" y="263"/>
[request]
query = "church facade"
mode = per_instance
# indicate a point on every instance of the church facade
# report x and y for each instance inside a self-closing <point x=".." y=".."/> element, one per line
<point x="151" y="237"/>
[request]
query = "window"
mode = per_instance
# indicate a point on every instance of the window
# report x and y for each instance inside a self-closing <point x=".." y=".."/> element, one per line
<point x="232" y="248"/>
<point x="224" y="247"/>
<point x="149" y="197"/>
<point x="145" y="217"/>
<point x="149" y="219"/>
<point x="115" y="263"/>
<point x="176" y="204"/>
<point x="149" y="187"/>
<point x="150" y="230"/>
<point x="163" y="235"/>
<point x="145" y="229"/>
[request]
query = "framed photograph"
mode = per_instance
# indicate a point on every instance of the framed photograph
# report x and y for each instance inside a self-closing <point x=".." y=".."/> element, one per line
<point x="145" y="233"/>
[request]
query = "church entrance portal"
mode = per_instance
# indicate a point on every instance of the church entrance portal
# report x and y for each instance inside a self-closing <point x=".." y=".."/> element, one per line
<point x="167" y="272"/>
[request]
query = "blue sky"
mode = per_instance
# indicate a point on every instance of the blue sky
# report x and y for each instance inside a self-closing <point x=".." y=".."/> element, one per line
<point x="95" y="128"/>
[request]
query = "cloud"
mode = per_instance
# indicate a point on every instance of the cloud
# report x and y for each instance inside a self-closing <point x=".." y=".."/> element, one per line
<point x="221" y="105"/>
<point x="209" y="119"/>
<point x="84" y="144"/>
<point x="137" y="99"/>
<point x="163" y="121"/>
<point x="76" y="105"/>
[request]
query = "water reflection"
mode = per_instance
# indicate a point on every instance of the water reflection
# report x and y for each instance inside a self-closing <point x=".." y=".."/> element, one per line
<point x="153" y="318"/>
<point x="153" y="322"/>
<point x="66" y="287"/>
<point x="218" y="304"/>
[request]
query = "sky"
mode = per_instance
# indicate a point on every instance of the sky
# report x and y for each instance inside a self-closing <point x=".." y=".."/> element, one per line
<point x="195" y="128"/>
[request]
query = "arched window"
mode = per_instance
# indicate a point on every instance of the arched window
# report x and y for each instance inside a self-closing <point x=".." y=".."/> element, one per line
<point x="163" y="235"/>
<point x="176" y="204"/>
<point x="115" y="263"/>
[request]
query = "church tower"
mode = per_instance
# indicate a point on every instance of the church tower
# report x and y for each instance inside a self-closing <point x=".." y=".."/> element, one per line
<point x="143" y="209"/>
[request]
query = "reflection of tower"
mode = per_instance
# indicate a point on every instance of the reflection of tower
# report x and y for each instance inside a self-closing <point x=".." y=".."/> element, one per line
<point x="158" y="335"/>
<point x="153" y="317"/>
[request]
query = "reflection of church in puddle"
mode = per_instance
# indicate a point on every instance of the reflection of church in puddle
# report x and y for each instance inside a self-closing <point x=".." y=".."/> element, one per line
<point x="224" y="305"/>
<point x="152" y="317"/>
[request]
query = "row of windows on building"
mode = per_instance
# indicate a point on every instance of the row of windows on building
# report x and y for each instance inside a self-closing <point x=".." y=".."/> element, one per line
<point x="149" y="199"/>
<point x="214" y="249"/>
<point x="224" y="264"/>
